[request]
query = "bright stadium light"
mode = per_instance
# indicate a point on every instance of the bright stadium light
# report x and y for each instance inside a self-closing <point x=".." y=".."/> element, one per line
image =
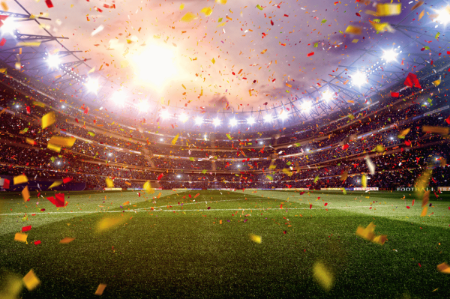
<point x="359" y="79"/>
<point x="165" y="114"/>
<point x="118" y="98"/>
<point x="327" y="95"/>
<point x="53" y="61"/>
<point x="251" y="120"/>
<point x="92" y="85"/>
<point x="9" y="26"/>
<point x="198" y="120"/>
<point x="268" y="118"/>
<point x="284" y="115"/>
<point x="184" y="117"/>
<point x="233" y="122"/>
<point x="307" y="106"/>
<point x="443" y="16"/>
<point x="390" y="55"/>
<point x="216" y="122"/>
<point x="143" y="106"/>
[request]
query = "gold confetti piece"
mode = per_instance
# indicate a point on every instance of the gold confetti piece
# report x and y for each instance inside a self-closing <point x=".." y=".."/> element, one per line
<point x="28" y="44"/>
<point x="443" y="268"/>
<point x="30" y="141"/>
<point x="55" y="184"/>
<point x="404" y="133"/>
<point x="31" y="281"/>
<point x="344" y="175"/>
<point x="48" y="120"/>
<point x="21" y="237"/>
<point x="353" y="30"/>
<point x="387" y="9"/>
<point x="20" y="179"/>
<point x="25" y="194"/>
<point x="174" y="140"/>
<point x="207" y="11"/>
<point x="109" y="183"/>
<point x="364" y="181"/>
<point x="213" y="60"/>
<point x="66" y="240"/>
<point x="181" y="6"/>
<point x="101" y="287"/>
<point x="323" y="276"/>
<point x="366" y="233"/>
<point x="54" y="148"/>
<point x="355" y="41"/>
<point x="10" y="285"/>
<point x="381" y="239"/>
<point x="221" y="1"/>
<point x="437" y="82"/>
<point x="3" y="70"/>
<point x="438" y="130"/>
<point x="5" y="6"/>
<point x="381" y="27"/>
<point x="424" y="212"/>
<point x="62" y="141"/>
<point x="126" y="203"/>
<point x="379" y="148"/>
<point x="189" y="16"/>
<point x="422" y="13"/>
<point x="418" y="4"/>
<point x="254" y="238"/>
<point x="109" y="223"/>
<point x="148" y="188"/>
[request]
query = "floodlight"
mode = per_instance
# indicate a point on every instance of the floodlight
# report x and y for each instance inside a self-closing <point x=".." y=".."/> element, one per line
<point x="307" y="106"/>
<point x="443" y="16"/>
<point x="390" y="55"/>
<point x="216" y="122"/>
<point x="118" y="98"/>
<point x="198" y="120"/>
<point x="165" y="114"/>
<point x="327" y="95"/>
<point x="268" y="118"/>
<point x="92" y="85"/>
<point x="53" y="61"/>
<point x="359" y="79"/>
<point x="233" y="122"/>
<point x="143" y="106"/>
<point x="251" y="120"/>
<point x="184" y="117"/>
<point x="283" y="115"/>
<point x="9" y="26"/>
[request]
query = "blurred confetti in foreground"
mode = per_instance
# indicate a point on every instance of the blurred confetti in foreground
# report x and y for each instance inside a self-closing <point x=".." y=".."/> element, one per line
<point x="323" y="276"/>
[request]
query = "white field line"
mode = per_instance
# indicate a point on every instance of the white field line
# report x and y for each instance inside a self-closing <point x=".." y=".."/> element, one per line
<point x="193" y="210"/>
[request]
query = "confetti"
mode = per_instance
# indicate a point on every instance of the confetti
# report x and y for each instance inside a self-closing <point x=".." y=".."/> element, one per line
<point x="20" y="179"/>
<point x="255" y="238"/>
<point x="66" y="240"/>
<point x="323" y="276"/>
<point x="100" y="289"/>
<point x="30" y="280"/>
<point x="48" y="120"/>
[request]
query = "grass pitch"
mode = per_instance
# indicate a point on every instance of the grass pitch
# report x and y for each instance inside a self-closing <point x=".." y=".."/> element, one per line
<point x="196" y="244"/>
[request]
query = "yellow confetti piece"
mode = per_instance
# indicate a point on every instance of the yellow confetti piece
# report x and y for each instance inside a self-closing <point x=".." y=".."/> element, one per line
<point x="438" y="130"/>
<point x="101" y="287"/>
<point x="388" y="9"/>
<point x="323" y="276"/>
<point x="188" y="17"/>
<point x="148" y="188"/>
<point x="404" y="133"/>
<point x="443" y="268"/>
<point x="20" y="237"/>
<point x="30" y="141"/>
<point x="20" y="179"/>
<point x="54" y="148"/>
<point x="62" y="141"/>
<point x="181" y="6"/>
<point x="353" y="30"/>
<point x="379" y="148"/>
<point x="28" y="44"/>
<point x="207" y="11"/>
<point x="48" y="120"/>
<point x="5" y="6"/>
<point x="364" y="181"/>
<point x="11" y="285"/>
<point x="221" y="24"/>
<point x="229" y="136"/>
<point x="109" y="223"/>
<point x="437" y="82"/>
<point x="221" y="1"/>
<point x="174" y="140"/>
<point x="25" y="194"/>
<point x="213" y="60"/>
<point x="366" y="233"/>
<point x="355" y="41"/>
<point x="31" y="281"/>
<point x="126" y="203"/>
<point x="421" y="14"/>
<point x="254" y="238"/>
<point x="109" y="183"/>
<point x="66" y="240"/>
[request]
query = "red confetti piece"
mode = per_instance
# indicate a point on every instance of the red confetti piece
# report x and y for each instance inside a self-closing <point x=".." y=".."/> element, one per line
<point x="26" y="228"/>
<point x="395" y="94"/>
<point x="408" y="207"/>
<point x="37" y="242"/>
<point x="2" y="42"/>
<point x="326" y="204"/>
<point x="66" y="180"/>
<point x="310" y="206"/>
<point x="310" y="54"/>
<point x="49" y="3"/>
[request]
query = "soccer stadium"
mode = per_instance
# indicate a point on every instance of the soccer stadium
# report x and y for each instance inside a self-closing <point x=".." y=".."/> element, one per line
<point x="224" y="149"/>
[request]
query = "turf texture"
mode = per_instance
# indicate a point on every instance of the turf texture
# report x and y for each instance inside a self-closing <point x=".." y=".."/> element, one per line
<point x="195" y="244"/>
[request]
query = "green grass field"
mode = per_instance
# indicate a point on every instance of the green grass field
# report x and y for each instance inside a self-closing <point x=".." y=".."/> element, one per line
<point x="201" y="249"/>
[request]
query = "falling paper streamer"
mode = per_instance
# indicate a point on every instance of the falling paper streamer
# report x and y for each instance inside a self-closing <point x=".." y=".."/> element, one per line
<point x="62" y="141"/>
<point x="109" y="183"/>
<point x="100" y="289"/>
<point x="443" y="268"/>
<point x="20" y="179"/>
<point x="323" y="276"/>
<point x="48" y="120"/>
<point x="370" y="165"/>
<point x="98" y="30"/>
<point x="255" y="238"/>
<point x="55" y="184"/>
<point x="437" y="130"/>
<point x="31" y="281"/>
<point x="66" y="240"/>
<point x="109" y="223"/>
<point x="174" y="140"/>
<point x="20" y="237"/>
